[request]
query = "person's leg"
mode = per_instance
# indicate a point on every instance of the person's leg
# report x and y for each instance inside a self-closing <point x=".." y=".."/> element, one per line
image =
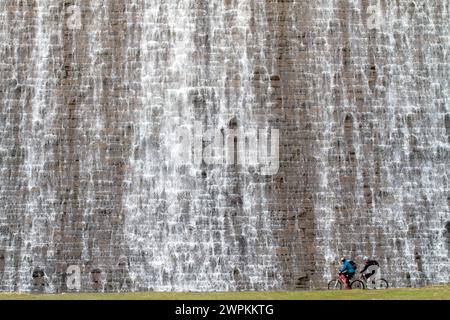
<point x="349" y="279"/>
<point x="371" y="275"/>
<point x="346" y="279"/>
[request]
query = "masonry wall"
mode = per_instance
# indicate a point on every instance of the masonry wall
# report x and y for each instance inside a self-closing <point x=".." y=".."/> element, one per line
<point x="86" y="173"/>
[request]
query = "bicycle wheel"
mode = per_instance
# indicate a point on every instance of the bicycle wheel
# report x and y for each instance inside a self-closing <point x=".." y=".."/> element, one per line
<point x="381" y="284"/>
<point x="335" y="284"/>
<point x="357" y="284"/>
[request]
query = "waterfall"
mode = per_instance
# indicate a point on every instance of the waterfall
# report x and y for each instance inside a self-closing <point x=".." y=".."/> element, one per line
<point x="196" y="228"/>
<point x="384" y="147"/>
<point x="222" y="145"/>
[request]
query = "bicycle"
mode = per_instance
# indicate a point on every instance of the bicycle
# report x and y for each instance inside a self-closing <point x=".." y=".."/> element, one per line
<point x="339" y="283"/>
<point x="375" y="284"/>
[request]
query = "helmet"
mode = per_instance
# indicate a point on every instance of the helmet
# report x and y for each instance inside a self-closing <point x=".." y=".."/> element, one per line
<point x="365" y="258"/>
<point x="342" y="259"/>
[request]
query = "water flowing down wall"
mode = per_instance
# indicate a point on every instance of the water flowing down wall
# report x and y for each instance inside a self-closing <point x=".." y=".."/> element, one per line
<point x="222" y="145"/>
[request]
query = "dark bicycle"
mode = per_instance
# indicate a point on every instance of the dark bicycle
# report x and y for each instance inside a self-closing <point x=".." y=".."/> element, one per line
<point x="379" y="283"/>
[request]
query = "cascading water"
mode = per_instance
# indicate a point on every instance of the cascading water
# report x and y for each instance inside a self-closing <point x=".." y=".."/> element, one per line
<point x="195" y="227"/>
<point x="28" y="111"/>
<point x="122" y="125"/>
<point x="384" y="147"/>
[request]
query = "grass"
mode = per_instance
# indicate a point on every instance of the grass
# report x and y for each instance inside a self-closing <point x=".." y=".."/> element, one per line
<point x="427" y="293"/>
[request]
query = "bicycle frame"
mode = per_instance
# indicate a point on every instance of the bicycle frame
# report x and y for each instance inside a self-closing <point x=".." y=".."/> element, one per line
<point x="344" y="280"/>
<point x="363" y="279"/>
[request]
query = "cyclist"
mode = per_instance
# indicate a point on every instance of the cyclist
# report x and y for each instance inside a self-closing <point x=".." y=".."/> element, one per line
<point x="348" y="270"/>
<point x="367" y="263"/>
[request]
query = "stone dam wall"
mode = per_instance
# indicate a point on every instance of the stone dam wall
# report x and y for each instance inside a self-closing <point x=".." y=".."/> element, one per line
<point x="99" y="98"/>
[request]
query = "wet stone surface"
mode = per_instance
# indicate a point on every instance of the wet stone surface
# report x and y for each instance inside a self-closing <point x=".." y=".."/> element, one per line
<point x="92" y="98"/>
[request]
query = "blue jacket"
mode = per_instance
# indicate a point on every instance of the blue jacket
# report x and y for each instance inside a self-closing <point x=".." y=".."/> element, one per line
<point x="347" y="267"/>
